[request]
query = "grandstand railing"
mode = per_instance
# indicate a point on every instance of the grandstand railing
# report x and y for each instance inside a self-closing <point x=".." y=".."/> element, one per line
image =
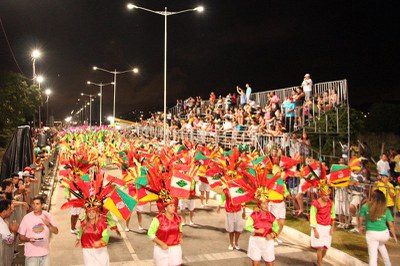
<point x="261" y="98"/>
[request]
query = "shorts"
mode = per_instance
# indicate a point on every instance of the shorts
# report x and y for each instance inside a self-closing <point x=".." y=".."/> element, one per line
<point x="186" y="204"/>
<point x="278" y="209"/>
<point x="294" y="191"/>
<point x="139" y="208"/>
<point x="204" y="187"/>
<point x="171" y="256"/>
<point x="75" y="211"/>
<point x="234" y="222"/>
<point x="325" y="238"/>
<point x="260" y="247"/>
<point x="355" y="200"/>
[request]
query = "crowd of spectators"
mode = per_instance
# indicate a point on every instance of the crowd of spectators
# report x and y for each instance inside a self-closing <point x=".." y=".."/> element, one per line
<point x="238" y="112"/>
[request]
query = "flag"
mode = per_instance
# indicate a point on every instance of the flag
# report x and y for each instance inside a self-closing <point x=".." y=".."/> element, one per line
<point x="214" y="181"/>
<point x="238" y="195"/>
<point x="144" y="195"/>
<point x="180" y="184"/>
<point x="339" y="176"/>
<point x="120" y="204"/>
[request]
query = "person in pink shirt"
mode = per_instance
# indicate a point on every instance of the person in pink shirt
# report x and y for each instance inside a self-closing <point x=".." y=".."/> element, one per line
<point x="35" y="231"/>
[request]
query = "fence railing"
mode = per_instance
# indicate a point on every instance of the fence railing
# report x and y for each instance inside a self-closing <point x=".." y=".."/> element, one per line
<point x="261" y="98"/>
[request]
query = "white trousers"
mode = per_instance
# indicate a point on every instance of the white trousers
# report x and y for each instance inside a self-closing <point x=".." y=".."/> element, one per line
<point x="96" y="256"/>
<point x="376" y="241"/>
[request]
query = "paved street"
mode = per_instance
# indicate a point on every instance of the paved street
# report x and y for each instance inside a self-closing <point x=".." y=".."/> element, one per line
<point x="205" y="242"/>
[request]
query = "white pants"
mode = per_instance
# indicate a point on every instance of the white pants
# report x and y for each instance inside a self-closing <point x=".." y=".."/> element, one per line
<point x="376" y="241"/>
<point x="260" y="247"/>
<point x="96" y="256"/>
<point x="169" y="257"/>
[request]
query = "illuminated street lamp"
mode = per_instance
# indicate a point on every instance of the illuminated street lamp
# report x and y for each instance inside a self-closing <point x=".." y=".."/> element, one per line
<point x="165" y="13"/>
<point x="35" y="55"/>
<point x="115" y="73"/>
<point x="101" y="85"/>
<point x="90" y="105"/>
<point x="47" y="92"/>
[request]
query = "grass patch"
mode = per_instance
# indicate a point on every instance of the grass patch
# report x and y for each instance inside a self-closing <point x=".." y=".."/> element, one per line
<point x="351" y="243"/>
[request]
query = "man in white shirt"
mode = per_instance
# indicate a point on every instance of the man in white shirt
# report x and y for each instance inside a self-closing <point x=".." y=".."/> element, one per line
<point x="383" y="164"/>
<point x="7" y="232"/>
<point x="307" y="86"/>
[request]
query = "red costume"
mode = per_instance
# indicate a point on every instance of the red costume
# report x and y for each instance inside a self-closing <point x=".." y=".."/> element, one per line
<point x="168" y="231"/>
<point x="324" y="215"/>
<point x="263" y="220"/>
<point x="93" y="233"/>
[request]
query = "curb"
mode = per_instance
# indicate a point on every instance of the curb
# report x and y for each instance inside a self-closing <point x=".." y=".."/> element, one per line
<point x="333" y="254"/>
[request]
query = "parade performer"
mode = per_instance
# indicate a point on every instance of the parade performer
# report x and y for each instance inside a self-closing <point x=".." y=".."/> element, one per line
<point x="93" y="235"/>
<point x="264" y="229"/>
<point x="322" y="221"/>
<point x="377" y="216"/>
<point x="166" y="232"/>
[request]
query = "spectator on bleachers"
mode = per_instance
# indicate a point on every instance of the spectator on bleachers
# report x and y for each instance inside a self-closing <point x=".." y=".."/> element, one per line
<point x="248" y="92"/>
<point x="307" y="86"/>
<point x="334" y="99"/>
<point x="299" y="98"/>
<point x="242" y="96"/>
<point x="327" y="101"/>
<point x="290" y="114"/>
<point x="383" y="165"/>
<point x="212" y="99"/>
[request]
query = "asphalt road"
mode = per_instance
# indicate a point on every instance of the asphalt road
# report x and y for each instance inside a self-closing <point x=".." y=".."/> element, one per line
<point x="205" y="243"/>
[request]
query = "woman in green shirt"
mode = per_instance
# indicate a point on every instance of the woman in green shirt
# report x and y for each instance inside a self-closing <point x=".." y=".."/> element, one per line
<point x="376" y="215"/>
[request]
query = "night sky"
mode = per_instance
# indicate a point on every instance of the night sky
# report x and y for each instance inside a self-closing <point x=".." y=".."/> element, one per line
<point x="269" y="44"/>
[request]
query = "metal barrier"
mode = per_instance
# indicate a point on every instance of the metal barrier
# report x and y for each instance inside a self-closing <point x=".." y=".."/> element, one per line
<point x="261" y="98"/>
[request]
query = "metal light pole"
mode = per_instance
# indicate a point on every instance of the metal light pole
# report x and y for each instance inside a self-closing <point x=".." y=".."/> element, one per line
<point x="90" y="105"/>
<point x="47" y="92"/>
<point x="101" y="85"/>
<point x="35" y="54"/>
<point x="40" y="79"/>
<point x="165" y="13"/>
<point x="115" y="73"/>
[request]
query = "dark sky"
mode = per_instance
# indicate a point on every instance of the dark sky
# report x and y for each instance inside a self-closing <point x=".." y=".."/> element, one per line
<point x="270" y="44"/>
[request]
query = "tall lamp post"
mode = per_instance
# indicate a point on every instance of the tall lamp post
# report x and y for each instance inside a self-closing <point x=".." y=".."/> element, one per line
<point x="35" y="55"/>
<point x="39" y="80"/>
<point x="115" y="73"/>
<point x="101" y="85"/>
<point x="90" y="105"/>
<point x="165" y="13"/>
<point x="47" y="92"/>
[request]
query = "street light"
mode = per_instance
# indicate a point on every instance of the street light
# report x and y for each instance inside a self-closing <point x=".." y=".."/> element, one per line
<point x="165" y="13"/>
<point x="47" y="92"/>
<point x="90" y="105"/>
<point x="115" y="73"/>
<point x="35" y="54"/>
<point x="101" y="85"/>
<point x="40" y="79"/>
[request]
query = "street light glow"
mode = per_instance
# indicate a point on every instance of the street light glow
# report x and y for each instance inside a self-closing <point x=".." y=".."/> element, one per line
<point x="36" y="54"/>
<point x="47" y="92"/>
<point x="88" y="82"/>
<point x="199" y="9"/>
<point x="135" y="70"/>
<point x="40" y="79"/>
<point x="95" y="68"/>
<point x="131" y="6"/>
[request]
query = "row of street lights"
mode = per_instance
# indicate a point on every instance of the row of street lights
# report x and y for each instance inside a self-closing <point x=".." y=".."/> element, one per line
<point x="164" y="13"/>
